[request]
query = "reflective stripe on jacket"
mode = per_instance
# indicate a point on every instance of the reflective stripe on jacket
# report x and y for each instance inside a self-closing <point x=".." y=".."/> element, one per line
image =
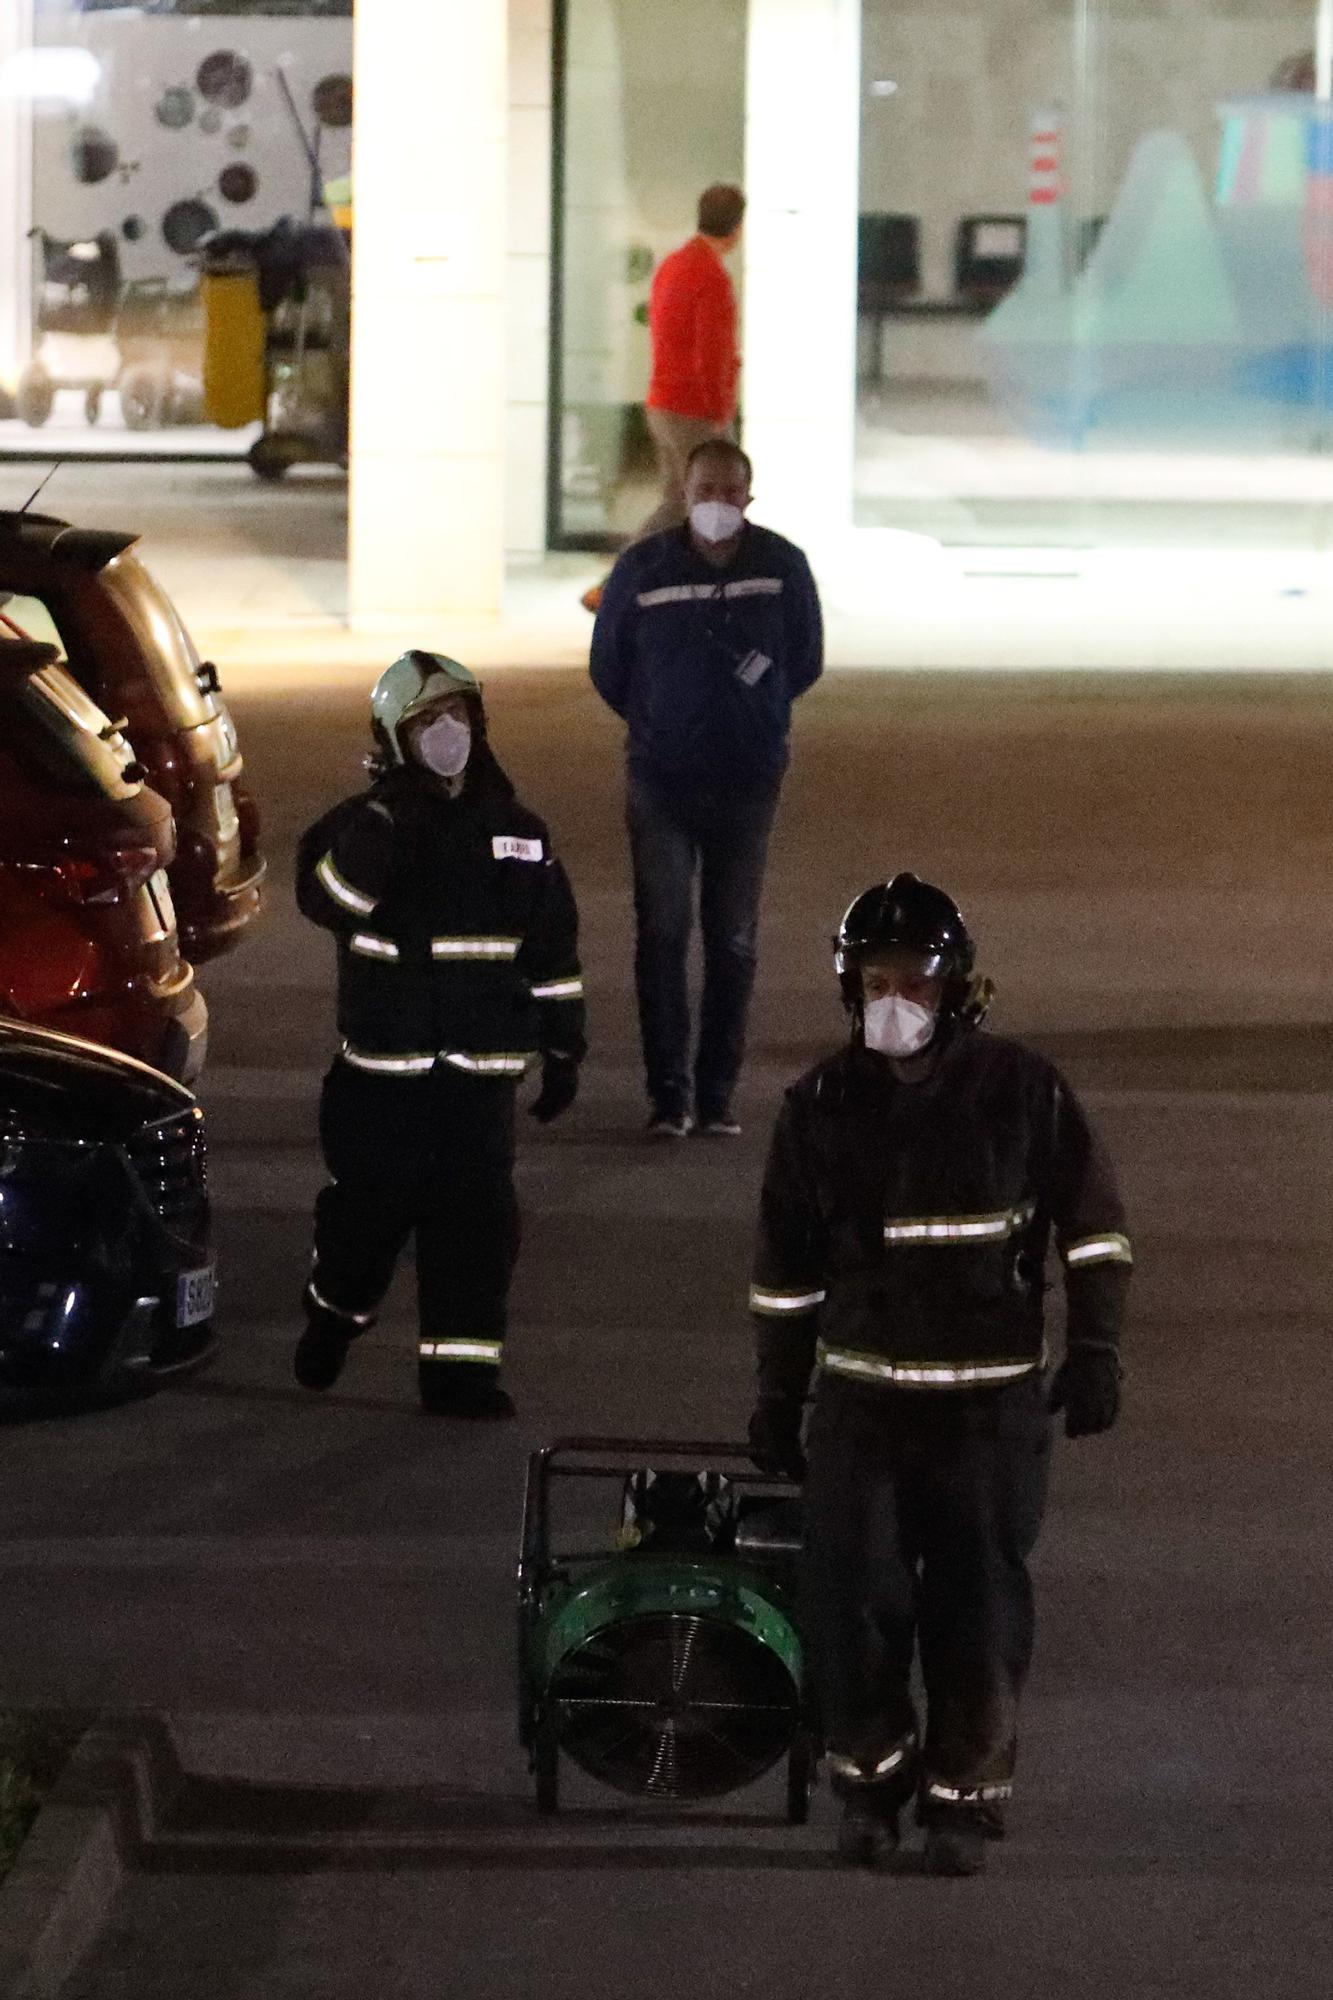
<point x="704" y="664"/>
<point x="455" y="924"/>
<point x="904" y="1227"/>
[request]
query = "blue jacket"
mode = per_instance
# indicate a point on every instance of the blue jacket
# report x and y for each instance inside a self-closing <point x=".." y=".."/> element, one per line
<point x="704" y="664"/>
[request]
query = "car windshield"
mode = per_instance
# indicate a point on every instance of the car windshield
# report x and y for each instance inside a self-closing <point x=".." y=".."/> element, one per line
<point x="48" y="722"/>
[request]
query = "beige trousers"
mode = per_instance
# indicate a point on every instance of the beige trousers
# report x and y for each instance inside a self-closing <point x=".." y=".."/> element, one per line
<point x="674" y="438"/>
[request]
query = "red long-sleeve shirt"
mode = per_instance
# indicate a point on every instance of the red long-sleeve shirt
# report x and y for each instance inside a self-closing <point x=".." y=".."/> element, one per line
<point x="692" y="318"/>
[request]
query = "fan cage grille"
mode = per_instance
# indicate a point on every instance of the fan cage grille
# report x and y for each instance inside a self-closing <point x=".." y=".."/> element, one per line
<point x="674" y="1705"/>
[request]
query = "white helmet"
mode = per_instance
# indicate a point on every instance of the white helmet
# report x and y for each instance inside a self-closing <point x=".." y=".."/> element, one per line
<point x="412" y="683"/>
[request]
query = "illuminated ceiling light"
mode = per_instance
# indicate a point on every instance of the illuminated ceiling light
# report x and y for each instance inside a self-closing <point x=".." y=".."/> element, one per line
<point x="51" y="75"/>
<point x="884" y="86"/>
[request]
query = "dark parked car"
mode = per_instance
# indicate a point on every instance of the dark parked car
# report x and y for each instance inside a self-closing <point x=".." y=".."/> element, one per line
<point x="106" y="1270"/>
<point x="126" y="646"/>
<point x="87" y="928"/>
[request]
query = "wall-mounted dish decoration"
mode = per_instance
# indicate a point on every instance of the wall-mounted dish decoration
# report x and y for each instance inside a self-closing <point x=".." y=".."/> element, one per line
<point x="238" y="137"/>
<point x="238" y="182"/>
<point x="133" y="228"/>
<point x="175" y="107"/>
<point x="210" y="121"/>
<point x="224" y="78"/>
<point x="1296" y="73"/>
<point x="93" y="155"/>
<point x="331" y="101"/>
<point x="186" y="222"/>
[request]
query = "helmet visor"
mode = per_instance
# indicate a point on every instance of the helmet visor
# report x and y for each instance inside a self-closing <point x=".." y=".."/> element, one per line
<point x="915" y="975"/>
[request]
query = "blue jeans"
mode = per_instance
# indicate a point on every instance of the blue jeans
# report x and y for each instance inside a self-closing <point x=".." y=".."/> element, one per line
<point x="723" y="834"/>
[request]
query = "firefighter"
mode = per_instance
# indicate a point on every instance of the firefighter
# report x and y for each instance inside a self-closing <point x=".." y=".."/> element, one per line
<point x="458" y="966"/>
<point x="913" y="1187"/>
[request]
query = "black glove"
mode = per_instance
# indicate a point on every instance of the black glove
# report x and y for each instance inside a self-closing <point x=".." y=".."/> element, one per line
<point x="560" y="1086"/>
<point x="775" y="1436"/>
<point x="1087" y="1389"/>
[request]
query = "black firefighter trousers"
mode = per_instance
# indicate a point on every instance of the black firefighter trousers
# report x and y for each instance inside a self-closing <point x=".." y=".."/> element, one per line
<point x="922" y="1508"/>
<point x="431" y="1155"/>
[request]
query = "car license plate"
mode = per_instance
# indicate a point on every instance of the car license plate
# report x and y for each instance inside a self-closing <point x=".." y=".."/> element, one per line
<point x="196" y="1292"/>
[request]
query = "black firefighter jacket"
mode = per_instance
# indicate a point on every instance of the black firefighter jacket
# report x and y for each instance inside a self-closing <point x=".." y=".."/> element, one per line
<point x="455" y="923"/>
<point x="904" y="1227"/>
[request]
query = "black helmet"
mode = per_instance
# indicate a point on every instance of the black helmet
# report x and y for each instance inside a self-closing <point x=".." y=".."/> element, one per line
<point x="909" y="915"/>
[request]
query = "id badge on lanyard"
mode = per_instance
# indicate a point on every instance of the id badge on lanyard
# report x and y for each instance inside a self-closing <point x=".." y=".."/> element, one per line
<point x="748" y="668"/>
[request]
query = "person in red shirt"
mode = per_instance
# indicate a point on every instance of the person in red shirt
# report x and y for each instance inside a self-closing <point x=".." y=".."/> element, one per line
<point x="692" y="319"/>
<point x="696" y="363"/>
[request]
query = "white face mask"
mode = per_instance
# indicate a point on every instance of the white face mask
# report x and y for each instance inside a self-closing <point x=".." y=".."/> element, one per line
<point x="444" y="746"/>
<point x="716" y="520"/>
<point x="897" y="1027"/>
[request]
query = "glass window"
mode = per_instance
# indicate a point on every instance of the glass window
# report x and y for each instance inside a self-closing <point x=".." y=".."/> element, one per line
<point x="1096" y="274"/>
<point x="27" y="618"/>
<point x="223" y="7"/>
<point x="170" y="281"/>
<point x="650" y="111"/>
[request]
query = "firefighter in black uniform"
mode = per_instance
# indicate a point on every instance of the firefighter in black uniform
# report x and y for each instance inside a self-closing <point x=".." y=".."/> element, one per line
<point x="457" y="968"/>
<point x="913" y="1187"/>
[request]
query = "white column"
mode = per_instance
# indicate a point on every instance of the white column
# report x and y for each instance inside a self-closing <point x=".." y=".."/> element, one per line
<point x="428" y="318"/>
<point x="528" y="274"/>
<point x="798" y="388"/>
<point x="15" y="192"/>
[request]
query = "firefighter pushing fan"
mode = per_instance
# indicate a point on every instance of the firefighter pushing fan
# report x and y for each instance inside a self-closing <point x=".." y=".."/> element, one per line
<point x="916" y="1182"/>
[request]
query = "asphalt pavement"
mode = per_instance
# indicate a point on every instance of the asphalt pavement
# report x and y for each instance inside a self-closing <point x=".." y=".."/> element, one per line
<point x="319" y="1591"/>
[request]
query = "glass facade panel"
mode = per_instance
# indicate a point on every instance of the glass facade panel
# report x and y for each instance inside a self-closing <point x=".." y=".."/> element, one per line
<point x="135" y="134"/>
<point x="1096" y="274"/>
<point x="651" y="111"/>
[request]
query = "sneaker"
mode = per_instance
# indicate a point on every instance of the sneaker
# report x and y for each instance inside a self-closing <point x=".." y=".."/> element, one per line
<point x="866" y="1834"/>
<point x="718" y="1125"/>
<point x="954" y="1850"/>
<point x="463" y="1389"/>
<point x="321" y="1351"/>
<point x="670" y="1125"/>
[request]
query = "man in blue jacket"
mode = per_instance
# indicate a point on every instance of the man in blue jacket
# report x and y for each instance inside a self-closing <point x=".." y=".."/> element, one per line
<point x="705" y="636"/>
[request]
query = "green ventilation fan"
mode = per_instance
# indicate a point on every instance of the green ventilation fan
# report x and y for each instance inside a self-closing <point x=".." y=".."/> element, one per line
<point x="672" y="1670"/>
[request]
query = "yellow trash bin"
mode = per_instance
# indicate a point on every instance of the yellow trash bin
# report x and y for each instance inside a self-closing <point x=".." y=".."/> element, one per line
<point x="234" y="382"/>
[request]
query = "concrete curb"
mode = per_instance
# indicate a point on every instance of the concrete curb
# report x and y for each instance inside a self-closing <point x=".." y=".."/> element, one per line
<point x="104" y="1808"/>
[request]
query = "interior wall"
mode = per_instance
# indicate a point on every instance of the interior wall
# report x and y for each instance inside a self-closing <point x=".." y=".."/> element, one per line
<point x="951" y="139"/>
<point x="140" y="57"/>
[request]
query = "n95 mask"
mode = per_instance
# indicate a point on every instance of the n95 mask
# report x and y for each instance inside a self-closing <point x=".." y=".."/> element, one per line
<point x="444" y="746"/>
<point x="897" y="1027"/>
<point x="716" y="520"/>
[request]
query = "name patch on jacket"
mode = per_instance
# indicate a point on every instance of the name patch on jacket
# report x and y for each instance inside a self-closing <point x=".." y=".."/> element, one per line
<point x="509" y="847"/>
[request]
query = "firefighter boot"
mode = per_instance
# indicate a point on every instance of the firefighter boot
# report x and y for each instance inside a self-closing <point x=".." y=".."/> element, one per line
<point x="868" y="1830"/>
<point x="322" y="1348"/>
<point x="954" y="1850"/>
<point x="463" y="1389"/>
